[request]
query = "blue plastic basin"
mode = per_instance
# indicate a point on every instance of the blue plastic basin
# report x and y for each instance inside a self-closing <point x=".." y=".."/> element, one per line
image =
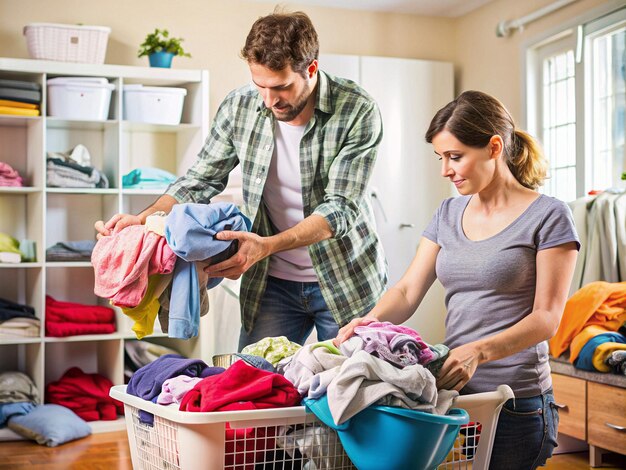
<point x="393" y="438"/>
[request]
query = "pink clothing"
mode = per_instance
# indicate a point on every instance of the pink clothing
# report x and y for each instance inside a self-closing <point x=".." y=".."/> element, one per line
<point x="123" y="261"/>
<point x="174" y="389"/>
<point x="9" y="176"/>
<point x="396" y="344"/>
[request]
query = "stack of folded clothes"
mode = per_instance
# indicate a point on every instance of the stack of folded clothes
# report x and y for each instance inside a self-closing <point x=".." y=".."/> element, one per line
<point x="69" y="319"/>
<point x="9" y="176"/>
<point x="19" y="97"/>
<point x="72" y="169"/>
<point x="71" y="251"/>
<point x="17" y="320"/>
<point x="148" y="178"/>
<point x="18" y="395"/>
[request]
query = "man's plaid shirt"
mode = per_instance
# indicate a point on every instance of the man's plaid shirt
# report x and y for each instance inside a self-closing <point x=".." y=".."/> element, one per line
<point x="337" y="155"/>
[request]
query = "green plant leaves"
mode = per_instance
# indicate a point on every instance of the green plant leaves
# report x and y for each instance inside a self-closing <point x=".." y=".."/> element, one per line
<point x="160" y="41"/>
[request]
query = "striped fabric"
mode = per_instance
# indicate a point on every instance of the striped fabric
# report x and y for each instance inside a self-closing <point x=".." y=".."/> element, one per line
<point x="337" y="155"/>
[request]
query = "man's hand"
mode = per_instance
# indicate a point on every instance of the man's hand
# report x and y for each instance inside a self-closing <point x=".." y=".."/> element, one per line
<point x="115" y="224"/>
<point x="252" y="249"/>
<point x="459" y="367"/>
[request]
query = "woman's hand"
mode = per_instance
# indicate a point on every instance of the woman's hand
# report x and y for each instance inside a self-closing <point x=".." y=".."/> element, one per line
<point x="115" y="224"/>
<point x="347" y="330"/>
<point x="459" y="367"/>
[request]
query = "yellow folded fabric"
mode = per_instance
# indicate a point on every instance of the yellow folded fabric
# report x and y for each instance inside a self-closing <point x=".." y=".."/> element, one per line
<point x="581" y="339"/>
<point x="18" y="104"/>
<point x="603" y="351"/>
<point x="18" y="111"/>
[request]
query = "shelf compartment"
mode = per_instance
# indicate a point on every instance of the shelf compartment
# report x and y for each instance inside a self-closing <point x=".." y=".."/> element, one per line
<point x="100" y="357"/>
<point x="22" y="148"/>
<point x="71" y="216"/>
<point x="21" y="216"/>
<point x="23" y="286"/>
<point x="26" y="358"/>
<point x="101" y="138"/>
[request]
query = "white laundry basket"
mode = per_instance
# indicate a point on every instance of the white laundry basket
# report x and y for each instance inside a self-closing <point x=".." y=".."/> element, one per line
<point x="153" y="104"/>
<point x="66" y="42"/>
<point x="79" y="98"/>
<point x="182" y="440"/>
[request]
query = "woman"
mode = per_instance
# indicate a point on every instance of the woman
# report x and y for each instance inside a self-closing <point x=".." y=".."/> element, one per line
<point x="505" y="256"/>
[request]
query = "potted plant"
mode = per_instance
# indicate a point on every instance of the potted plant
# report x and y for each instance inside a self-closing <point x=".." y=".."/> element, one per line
<point x="161" y="48"/>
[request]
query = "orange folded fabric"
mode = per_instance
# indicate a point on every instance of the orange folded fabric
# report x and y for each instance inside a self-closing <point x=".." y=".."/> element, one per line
<point x="598" y="303"/>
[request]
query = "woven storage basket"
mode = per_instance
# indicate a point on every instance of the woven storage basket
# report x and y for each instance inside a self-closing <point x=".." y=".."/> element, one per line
<point x="67" y="43"/>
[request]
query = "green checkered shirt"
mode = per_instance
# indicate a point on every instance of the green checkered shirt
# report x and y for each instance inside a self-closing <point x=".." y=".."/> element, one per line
<point x="337" y="155"/>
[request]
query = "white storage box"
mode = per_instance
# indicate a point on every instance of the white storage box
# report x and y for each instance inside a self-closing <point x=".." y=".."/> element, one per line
<point x="153" y="104"/>
<point x="80" y="98"/>
<point x="66" y="42"/>
<point x="277" y="438"/>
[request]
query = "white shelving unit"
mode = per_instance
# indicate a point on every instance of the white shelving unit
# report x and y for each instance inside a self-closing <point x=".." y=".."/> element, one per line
<point x="51" y="215"/>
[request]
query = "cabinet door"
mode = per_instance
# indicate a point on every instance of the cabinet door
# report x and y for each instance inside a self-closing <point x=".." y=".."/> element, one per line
<point x="570" y="395"/>
<point x="406" y="183"/>
<point x="606" y="418"/>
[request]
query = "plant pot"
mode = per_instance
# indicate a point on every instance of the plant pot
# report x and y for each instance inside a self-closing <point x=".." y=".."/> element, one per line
<point x="161" y="59"/>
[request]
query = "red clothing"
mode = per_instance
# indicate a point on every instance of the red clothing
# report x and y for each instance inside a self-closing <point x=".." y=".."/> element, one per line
<point x="87" y="395"/>
<point x="70" y="319"/>
<point x="78" y="313"/>
<point x="241" y="387"/>
<point x="62" y="329"/>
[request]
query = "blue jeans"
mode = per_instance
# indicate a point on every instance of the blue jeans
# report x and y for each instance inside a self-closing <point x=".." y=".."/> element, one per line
<point x="526" y="433"/>
<point x="291" y="309"/>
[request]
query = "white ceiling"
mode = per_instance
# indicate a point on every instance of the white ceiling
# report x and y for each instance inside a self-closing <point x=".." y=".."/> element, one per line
<point x="449" y="8"/>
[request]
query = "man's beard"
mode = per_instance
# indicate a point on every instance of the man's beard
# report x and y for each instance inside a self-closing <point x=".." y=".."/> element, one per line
<point x="292" y="111"/>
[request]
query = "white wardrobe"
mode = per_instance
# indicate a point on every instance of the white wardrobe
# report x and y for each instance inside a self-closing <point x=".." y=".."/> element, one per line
<point x="406" y="187"/>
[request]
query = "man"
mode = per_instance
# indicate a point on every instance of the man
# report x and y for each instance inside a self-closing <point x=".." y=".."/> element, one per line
<point x="307" y="144"/>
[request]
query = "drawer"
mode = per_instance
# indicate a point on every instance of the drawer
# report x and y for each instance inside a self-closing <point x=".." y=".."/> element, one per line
<point x="570" y="394"/>
<point x="606" y="417"/>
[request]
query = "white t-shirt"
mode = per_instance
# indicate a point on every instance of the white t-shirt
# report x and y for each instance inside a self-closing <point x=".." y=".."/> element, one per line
<point x="283" y="200"/>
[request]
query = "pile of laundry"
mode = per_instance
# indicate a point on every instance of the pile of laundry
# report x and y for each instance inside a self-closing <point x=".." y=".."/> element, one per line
<point x="157" y="269"/>
<point x="49" y="424"/>
<point x="9" y="176"/>
<point x="593" y="328"/>
<point x="381" y="364"/>
<point x="73" y="169"/>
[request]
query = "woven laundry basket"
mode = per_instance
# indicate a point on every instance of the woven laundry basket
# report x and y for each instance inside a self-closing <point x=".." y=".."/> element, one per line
<point x="67" y="43"/>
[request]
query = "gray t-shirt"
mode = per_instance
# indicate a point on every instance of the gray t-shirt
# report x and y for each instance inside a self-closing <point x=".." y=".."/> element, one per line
<point x="490" y="286"/>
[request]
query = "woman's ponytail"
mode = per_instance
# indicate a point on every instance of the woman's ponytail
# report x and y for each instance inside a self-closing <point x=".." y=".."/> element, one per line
<point x="526" y="160"/>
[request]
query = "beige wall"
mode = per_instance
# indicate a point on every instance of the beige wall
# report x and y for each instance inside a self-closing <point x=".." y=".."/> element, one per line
<point x="214" y="31"/>
<point x="494" y="65"/>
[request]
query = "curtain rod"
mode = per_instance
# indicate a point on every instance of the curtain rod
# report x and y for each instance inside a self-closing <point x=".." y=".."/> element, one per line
<point x="504" y="28"/>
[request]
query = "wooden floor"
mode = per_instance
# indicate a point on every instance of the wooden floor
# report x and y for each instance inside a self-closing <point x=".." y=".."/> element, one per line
<point x="109" y="451"/>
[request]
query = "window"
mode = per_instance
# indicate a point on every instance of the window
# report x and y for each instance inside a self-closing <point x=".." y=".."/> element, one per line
<point x="577" y="105"/>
